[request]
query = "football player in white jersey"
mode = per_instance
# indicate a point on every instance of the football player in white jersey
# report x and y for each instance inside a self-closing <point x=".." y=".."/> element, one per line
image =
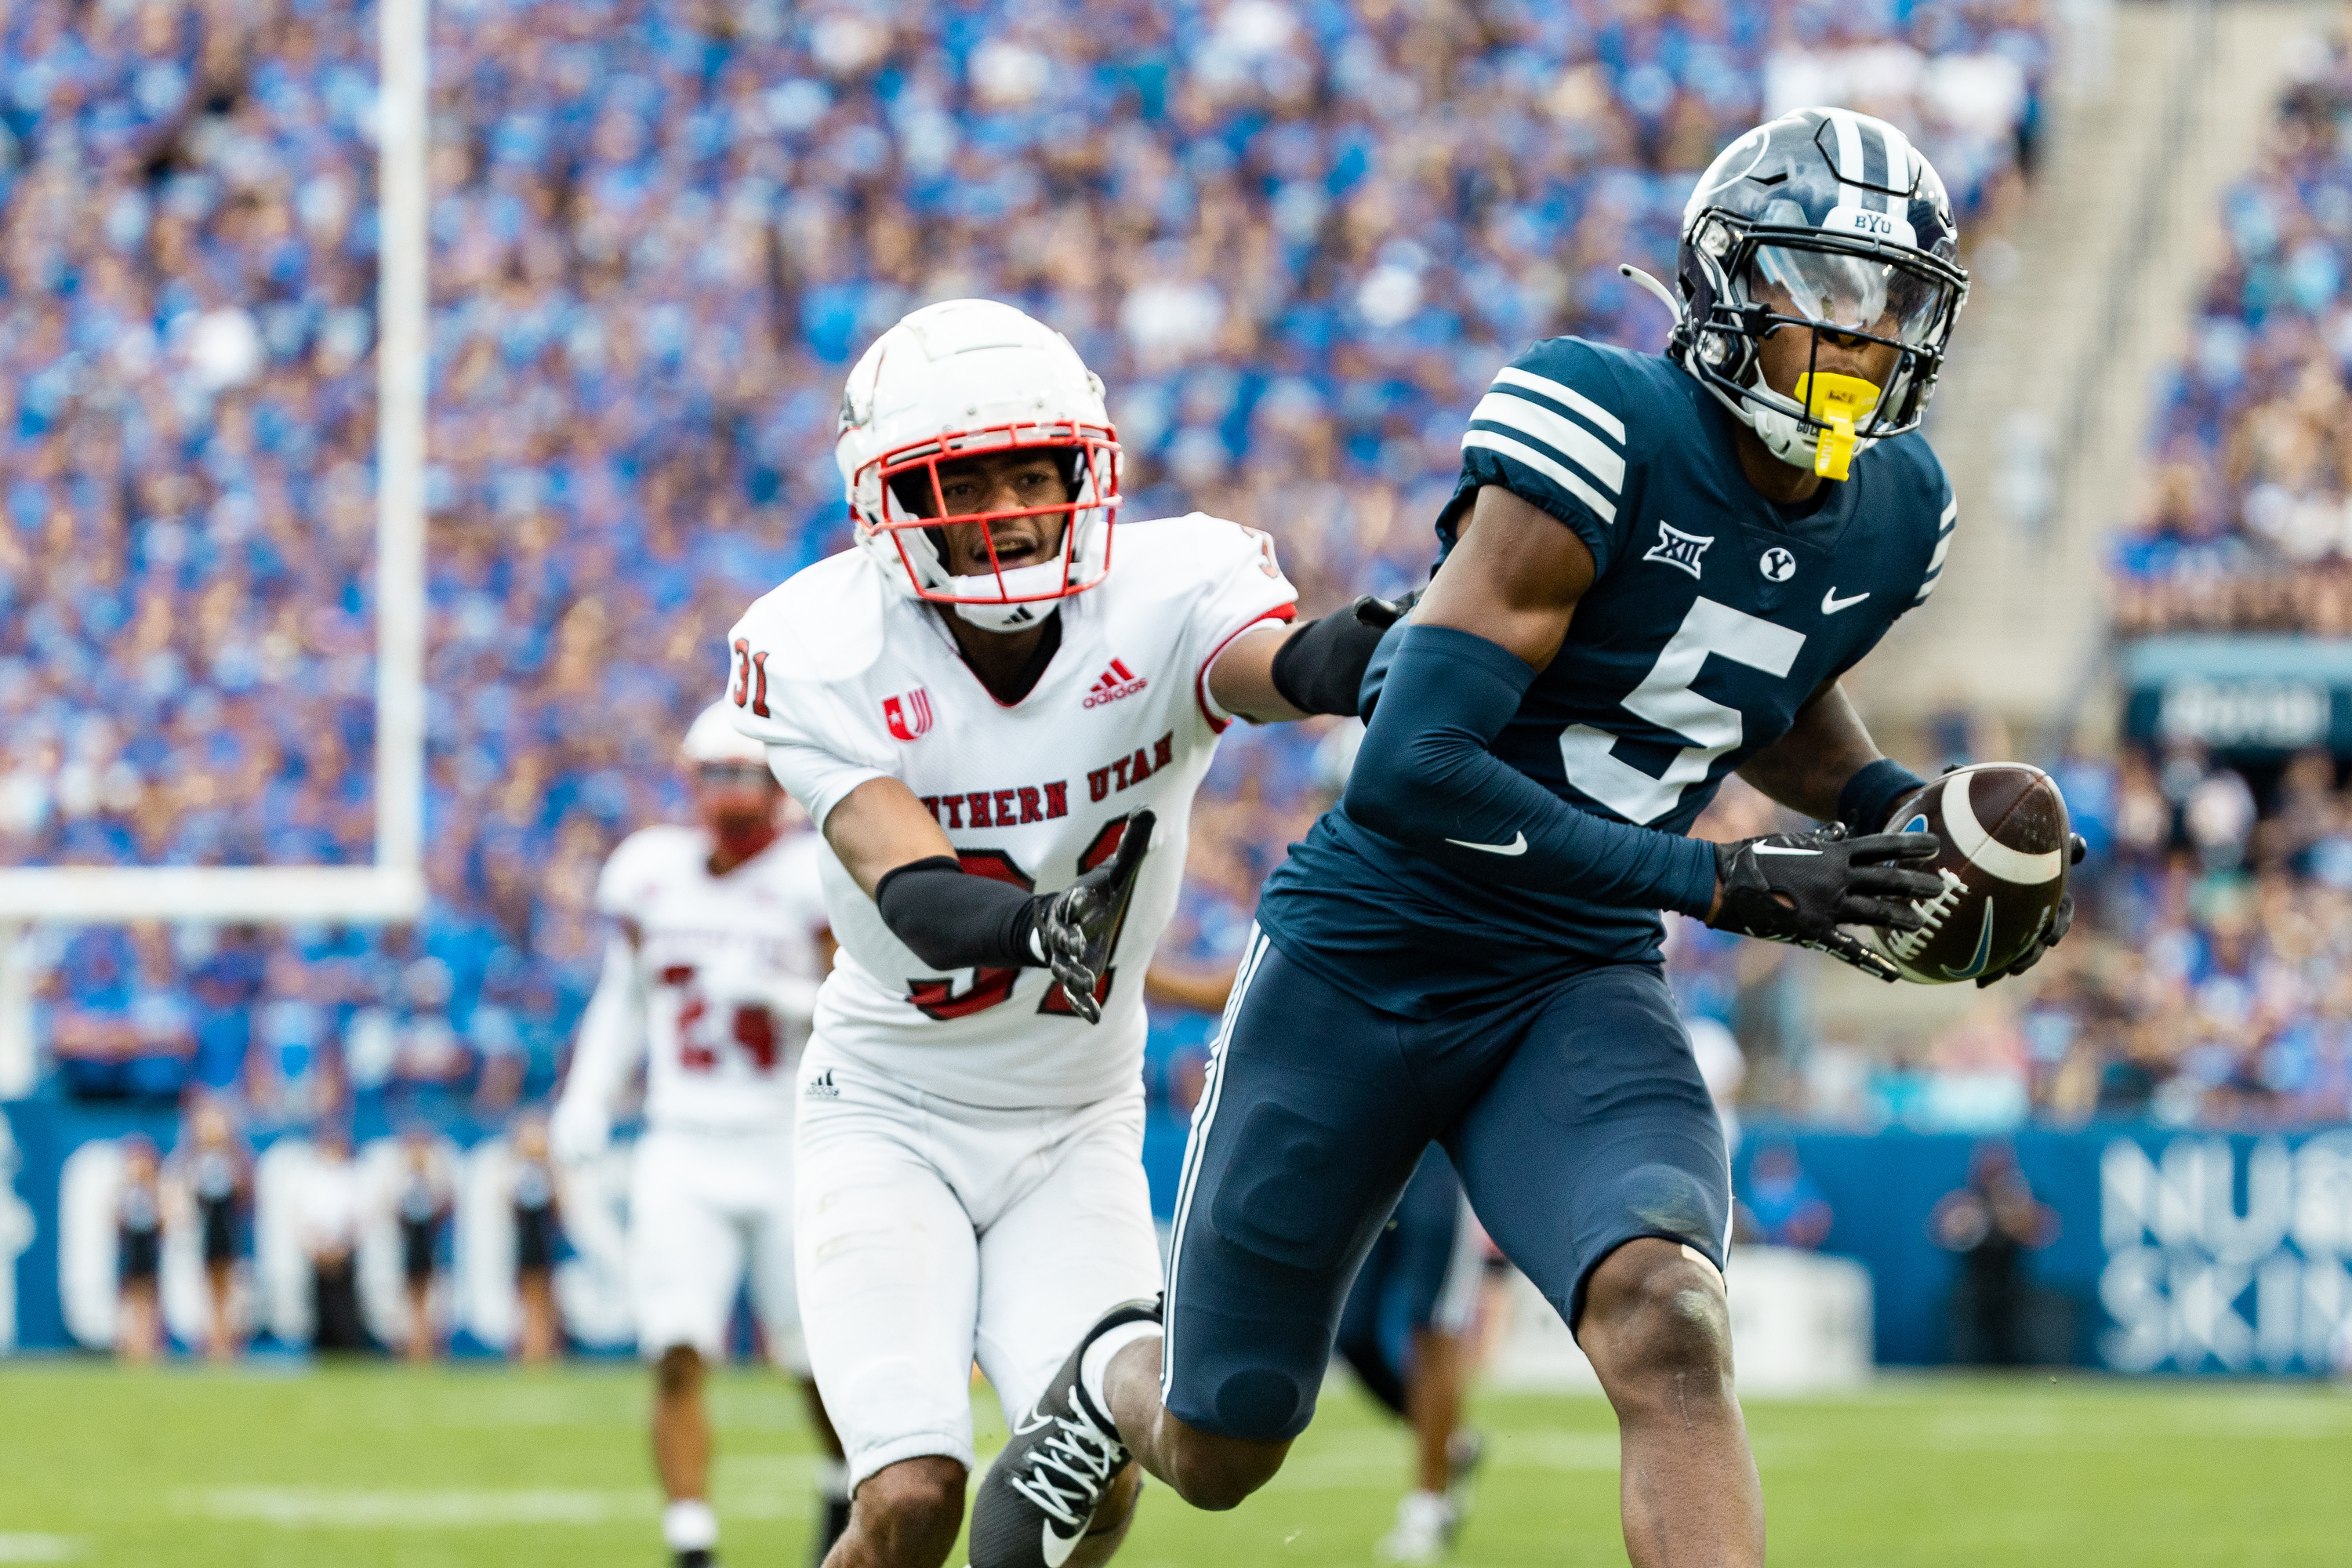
<point x="710" y="975"/>
<point x="985" y="706"/>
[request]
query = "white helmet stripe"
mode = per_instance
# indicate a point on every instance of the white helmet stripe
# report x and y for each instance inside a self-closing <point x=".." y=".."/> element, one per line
<point x="1850" y="166"/>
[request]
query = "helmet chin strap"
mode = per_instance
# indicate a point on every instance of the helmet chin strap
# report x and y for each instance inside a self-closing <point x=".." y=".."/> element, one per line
<point x="1035" y="583"/>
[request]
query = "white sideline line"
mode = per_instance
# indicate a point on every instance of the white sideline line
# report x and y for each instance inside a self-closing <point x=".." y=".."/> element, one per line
<point x="353" y="1508"/>
<point x="38" y="1548"/>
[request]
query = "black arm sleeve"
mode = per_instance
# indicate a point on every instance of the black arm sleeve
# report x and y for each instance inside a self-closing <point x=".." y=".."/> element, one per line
<point x="953" y="919"/>
<point x="1320" y="667"/>
<point x="1426" y="779"/>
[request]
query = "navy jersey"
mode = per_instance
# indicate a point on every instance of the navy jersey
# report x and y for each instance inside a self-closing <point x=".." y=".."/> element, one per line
<point x="1714" y="616"/>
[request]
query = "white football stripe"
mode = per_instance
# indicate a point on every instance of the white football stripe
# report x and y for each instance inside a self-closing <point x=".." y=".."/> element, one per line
<point x="1559" y="432"/>
<point x="1849" y="157"/>
<point x="1935" y="562"/>
<point x="1952" y="512"/>
<point x="1557" y="472"/>
<point x="1970" y="837"/>
<point x="1567" y="396"/>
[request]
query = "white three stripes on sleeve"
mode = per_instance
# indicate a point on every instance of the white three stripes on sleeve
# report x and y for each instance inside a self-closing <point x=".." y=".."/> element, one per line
<point x="1508" y="404"/>
<point x="1943" y="545"/>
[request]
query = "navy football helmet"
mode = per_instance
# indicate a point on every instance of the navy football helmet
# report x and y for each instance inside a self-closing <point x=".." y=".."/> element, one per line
<point x="1828" y="219"/>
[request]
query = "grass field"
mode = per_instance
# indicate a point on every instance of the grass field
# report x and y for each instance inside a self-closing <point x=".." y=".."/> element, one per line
<point x="375" y="1465"/>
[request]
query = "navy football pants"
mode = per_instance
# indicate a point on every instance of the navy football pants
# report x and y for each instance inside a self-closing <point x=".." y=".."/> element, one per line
<point x="1575" y="1118"/>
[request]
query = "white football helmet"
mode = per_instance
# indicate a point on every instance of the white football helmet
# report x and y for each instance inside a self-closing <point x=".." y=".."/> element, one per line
<point x="958" y="379"/>
<point x="713" y="738"/>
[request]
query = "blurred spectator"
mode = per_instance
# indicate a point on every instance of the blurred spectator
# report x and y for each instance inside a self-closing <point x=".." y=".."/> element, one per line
<point x="139" y="1225"/>
<point x="124" y="1029"/>
<point x="2247" y="526"/>
<point x="327" y="1216"/>
<point x="1784" y="1204"/>
<point x="537" y="1216"/>
<point x="214" y="1169"/>
<point x="1992" y="1222"/>
<point x="421" y="1202"/>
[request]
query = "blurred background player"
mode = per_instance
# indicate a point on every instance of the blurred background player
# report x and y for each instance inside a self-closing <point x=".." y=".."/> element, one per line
<point x="538" y="1222"/>
<point x="421" y="1204"/>
<point x="215" y="1172"/>
<point x="984" y="715"/>
<point x="139" y="1225"/>
<point x="710" y="974"/>
<point x="1404" y="1332"/>
<point x="327" y="1220"/>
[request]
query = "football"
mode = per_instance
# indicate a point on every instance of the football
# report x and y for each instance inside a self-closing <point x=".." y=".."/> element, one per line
<point x="2003" y="831"/>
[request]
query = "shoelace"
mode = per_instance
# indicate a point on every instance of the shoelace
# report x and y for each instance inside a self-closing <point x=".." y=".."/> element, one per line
<point x="1069" y="1468"/>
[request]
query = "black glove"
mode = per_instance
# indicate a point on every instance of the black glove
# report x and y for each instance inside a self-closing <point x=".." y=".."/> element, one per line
<point x="1078" y="925"/>
<point x="1800" y="887"/>
<point x="1321" y="665"/>
<point x="2061" y="920"/>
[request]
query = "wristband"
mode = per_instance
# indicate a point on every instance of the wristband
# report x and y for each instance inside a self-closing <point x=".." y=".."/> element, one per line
<point x="1870" y="798"/>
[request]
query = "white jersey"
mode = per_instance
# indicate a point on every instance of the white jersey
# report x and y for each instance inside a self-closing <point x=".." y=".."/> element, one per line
<point x="712" y="980"/>
<point x="846" y="679"/>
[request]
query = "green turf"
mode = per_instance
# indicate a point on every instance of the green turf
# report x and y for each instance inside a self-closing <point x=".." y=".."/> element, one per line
<point x="377" y="1465"/>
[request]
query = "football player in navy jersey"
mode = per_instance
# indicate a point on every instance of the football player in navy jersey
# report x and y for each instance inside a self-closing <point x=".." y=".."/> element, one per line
<point x="1655" y="570"/>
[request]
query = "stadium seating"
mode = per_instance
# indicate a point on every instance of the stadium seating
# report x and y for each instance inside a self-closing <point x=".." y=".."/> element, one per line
<point x="1296" y="239"/>
<point x="2247" y="529"/>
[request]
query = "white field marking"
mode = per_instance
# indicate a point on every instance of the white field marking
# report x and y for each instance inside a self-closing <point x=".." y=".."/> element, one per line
<point x="39" y="1549"/>
<point x="351" y="1508"/>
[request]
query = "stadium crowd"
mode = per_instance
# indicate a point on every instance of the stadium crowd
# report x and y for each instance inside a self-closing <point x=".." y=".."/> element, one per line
<point x="2249" y="525"/>
<point x="1294" y="239"/>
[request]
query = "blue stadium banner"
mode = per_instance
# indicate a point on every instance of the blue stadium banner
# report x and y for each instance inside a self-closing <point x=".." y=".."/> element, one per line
<point x="2241" y="695"/>
<point x="60" y="1181"/>
<point x="2172" y="1251"/>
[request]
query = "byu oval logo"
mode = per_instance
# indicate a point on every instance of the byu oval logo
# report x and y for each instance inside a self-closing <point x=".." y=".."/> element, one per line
<point x="1778" y="565"/>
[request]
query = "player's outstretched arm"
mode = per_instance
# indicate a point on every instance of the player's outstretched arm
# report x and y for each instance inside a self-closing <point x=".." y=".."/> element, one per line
<point x="1273" y="673"/>
<point x="951" y="918"/>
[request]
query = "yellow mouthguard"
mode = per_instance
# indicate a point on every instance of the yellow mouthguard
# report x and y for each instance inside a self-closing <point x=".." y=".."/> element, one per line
<point x="1842" y="402"/>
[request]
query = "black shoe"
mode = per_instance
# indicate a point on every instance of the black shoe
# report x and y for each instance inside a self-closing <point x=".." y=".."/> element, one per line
<point x="1037" y="1498"/>
<point x="833" y="1523"/>
<point x="700" y="1557"/>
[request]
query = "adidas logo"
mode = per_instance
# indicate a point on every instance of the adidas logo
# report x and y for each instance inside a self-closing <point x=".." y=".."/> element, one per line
<point x="821" y="1087"/>
<point x="1116" y="682"/>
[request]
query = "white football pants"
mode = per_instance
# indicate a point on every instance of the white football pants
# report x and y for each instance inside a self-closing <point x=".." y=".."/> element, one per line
<point x="705" y="1208"/>
<point x="931" y="1234"/>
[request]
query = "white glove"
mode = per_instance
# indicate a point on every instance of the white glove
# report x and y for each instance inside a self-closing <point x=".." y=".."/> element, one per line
<point x="578" y="1131"/>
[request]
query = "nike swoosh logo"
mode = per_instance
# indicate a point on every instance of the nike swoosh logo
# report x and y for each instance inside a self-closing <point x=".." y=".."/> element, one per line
<point x="1517" y="845"/>
<point x="1055" y="1550"/>
<point x="1783" y="849"/>
<point x="1976" y="963"/>
<point x="1831" y="604"/>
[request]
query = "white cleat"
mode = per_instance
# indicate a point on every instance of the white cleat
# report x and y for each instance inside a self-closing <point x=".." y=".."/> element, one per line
<point x="1423" y="1532"/>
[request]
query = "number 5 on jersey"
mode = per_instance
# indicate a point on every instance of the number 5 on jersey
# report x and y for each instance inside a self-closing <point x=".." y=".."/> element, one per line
<point x="1666" y="699"/>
